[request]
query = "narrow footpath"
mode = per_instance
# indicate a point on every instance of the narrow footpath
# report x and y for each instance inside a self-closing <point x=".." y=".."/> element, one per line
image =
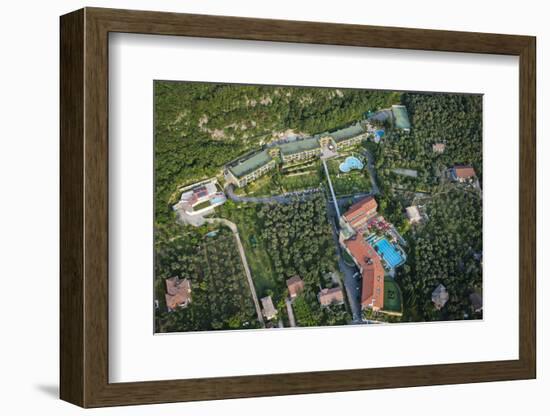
<point x="290" y="312"/>
<point x="335" y="201"/>
<point x="233" y="228"/>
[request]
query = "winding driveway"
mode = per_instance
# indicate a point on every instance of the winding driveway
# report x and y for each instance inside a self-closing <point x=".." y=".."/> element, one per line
<point x="280" y="199"/>
<point x="233" y="227"/>
<point x="352" y="286"/>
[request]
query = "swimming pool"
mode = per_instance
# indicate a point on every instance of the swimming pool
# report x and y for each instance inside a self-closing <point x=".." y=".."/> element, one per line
<point x="351" y="162"/>
<point x="388" y="253"/>
<point x="217" y="200"/>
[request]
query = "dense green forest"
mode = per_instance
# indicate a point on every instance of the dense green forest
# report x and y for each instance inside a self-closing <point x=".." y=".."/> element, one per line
<point x="286" y="240"/>
<point x="445" y="250"/>
<point x="201" y="126"/>
<point x="298" y="238"/>
<point x="452" y="119"/>
<point x="221" y="298"/>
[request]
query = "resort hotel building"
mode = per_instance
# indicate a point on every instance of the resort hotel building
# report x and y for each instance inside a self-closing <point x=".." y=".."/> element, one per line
<point x="360" y="212"/>
<point x="178" y="293"/>
<point x="371" y="252"/>
<point x="345" y="137"/>
<point x="372" y="271"/>
<point x="463" y="173"/>
<point x="300" y="150"/>
<point x="250" y="167"/>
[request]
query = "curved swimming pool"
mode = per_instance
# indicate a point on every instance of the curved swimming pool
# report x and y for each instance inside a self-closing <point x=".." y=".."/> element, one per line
<point x="350" y="163"/>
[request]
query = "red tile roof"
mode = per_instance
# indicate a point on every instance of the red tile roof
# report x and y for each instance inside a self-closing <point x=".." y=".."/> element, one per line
<point x="438" y="147"/>
<point x="365" y="204"/>
<point x="178" y="292"/>
<point x="361" y="210"/>
<point x="372" y="271"/>
<point x="464" y="172"/>
<point x="295" y="286"/>
<point x="330" y="296"/>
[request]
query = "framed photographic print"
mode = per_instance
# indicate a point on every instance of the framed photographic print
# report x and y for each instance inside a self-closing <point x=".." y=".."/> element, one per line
<point x="261" y="207"/>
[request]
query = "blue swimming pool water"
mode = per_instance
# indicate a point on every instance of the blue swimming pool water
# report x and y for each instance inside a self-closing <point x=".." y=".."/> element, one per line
<point x="389" y="253"/>
<point x="380" y="133"/>
<point x="351" y="162"/>
<point x="217" y="200"/>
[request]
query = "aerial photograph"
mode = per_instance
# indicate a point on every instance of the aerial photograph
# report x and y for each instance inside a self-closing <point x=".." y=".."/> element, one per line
<point x="284" y="207"/>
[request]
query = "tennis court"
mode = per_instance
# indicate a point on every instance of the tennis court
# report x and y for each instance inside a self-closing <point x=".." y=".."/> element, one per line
<point x="388" y="253"/>
<point x="393" y="301"/>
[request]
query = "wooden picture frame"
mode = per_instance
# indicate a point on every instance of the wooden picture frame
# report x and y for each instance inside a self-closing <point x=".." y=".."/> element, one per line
<point x="84" y="207"/>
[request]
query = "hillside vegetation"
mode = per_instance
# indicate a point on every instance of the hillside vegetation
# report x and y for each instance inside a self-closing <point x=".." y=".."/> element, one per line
<point x="199" y="127"/>
<point x="452" y="119"/>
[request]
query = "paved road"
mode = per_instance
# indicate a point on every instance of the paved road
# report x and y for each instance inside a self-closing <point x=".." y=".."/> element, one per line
<point x="351" y="284"/>
<point x="280" y="199"/>
<point x="375" y="190"/>
<point x="290" y="312"/>
<point x="233" y="228"/>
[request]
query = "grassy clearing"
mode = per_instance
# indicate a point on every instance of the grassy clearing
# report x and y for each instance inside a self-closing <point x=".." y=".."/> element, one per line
<point x="267" y="185"/>
<point x="296" y="178"/>
<point x="305" y="180"/>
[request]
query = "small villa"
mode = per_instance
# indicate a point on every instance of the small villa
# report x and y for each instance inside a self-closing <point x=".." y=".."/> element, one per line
<point x="200" y="198"/>
<point x="440" y="296"/>
<point x="413" y="214"/>
<point x="178" y="293"/>
<point x="295" y="286"/>
<point x="268" y="309"/>
<point x="463" y="173"/>
<point x="333" y="296"/>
